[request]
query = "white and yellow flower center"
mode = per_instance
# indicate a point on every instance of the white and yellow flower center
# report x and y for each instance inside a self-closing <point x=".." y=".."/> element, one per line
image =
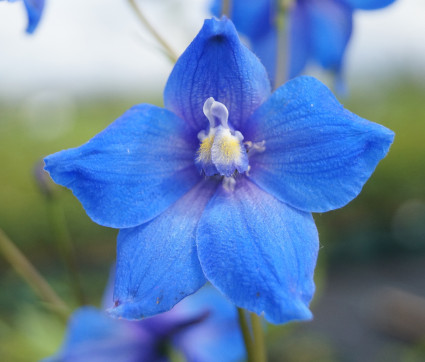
<point x="221" y="151"/>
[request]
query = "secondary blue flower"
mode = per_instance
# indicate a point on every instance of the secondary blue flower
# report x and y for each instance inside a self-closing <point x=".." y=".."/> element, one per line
<point x="319" y="30"/>
<point x="220" y="185"/>
<point x="203" y="328"/>
<point x="34" y="11"/>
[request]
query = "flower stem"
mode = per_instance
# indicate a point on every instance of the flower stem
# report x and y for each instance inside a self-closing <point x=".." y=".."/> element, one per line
<point x="227" y="8"/>
<point x="246" y="334"/>
<point x="170" y="52"/>
<point x="259" y="343"/>
<point x="28" y="272"/>
<point x="66" y="247"/>
<point x="282" y="46"/>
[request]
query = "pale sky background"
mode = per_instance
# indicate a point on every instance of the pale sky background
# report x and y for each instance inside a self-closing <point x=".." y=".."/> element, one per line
<point x="85" y="47"/>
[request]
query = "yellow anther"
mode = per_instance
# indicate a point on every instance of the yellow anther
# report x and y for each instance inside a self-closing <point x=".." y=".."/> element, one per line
<point x="204" y="151"/>
<point x="229" y="147"/>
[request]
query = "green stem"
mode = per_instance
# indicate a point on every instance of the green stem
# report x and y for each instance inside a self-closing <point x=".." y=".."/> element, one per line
<point x="64" y="242"/>
<point x="227" y="8"/>
<point x="27" y="271"/>
<point x="282" y="46"/>
<point x="170" y="52"/>
<point x="259" y="342"/>
<point x="246" y="334"/>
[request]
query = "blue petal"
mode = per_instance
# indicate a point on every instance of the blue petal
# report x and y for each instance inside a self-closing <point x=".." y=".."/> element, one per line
<point x="253" y="18"/>
<point x="368" y="4"/>
<point x="265" y="48"/>
<point x="34" y="10"/>
<point x="218" y="336"/>
<point x="217" y="65"/>
<point x="330" y="24"/>
<point x="157" y="263"/>
<point x="133" y="170"/>
<point x="318" y="154"/>
<point x="259" y="252"/>
<point x="95" y="337"/>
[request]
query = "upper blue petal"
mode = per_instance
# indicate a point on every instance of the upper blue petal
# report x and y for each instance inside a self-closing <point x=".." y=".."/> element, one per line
<point x="217" y="65"/>
<point x="259" y="252"/>
<point x="318" y="155"/>
<point x="368" y="4"/>
<point x="253" y="18"/>
<point x="131" y="171"/>
<point x="95" y="337"/>
<point x="218" y="336"/>
<point x="34" y="10"/>
<point x="330" y="26"/>
<point x="157" y="263"/>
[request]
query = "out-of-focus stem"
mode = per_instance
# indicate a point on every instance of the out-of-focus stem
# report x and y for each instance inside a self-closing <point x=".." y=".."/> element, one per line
<point x="227" y="8"/>
<point x="259" y="343"/>
<point x="170" y="52"/>
<point x="61" y="236"/>
<point x="282" y="46"/>
<point x="246" y="334"/>
<point x="28" y="272"/>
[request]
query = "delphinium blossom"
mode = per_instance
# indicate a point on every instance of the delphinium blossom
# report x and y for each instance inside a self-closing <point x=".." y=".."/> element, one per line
<point x="220" y="184"/>
<point x="318" y="30"/>
<point x="34" y="10"/>
<point x="203" y="328"/>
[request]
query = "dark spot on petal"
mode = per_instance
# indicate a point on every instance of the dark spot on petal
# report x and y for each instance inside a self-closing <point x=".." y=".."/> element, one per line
<point x="117" y="303"/>
<point x="219" y="38"/>
<point x="257" y="295"/>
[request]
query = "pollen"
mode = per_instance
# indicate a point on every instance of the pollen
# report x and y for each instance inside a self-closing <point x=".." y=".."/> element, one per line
<point x="229" y="148"/>
<point x="204" y="151"/>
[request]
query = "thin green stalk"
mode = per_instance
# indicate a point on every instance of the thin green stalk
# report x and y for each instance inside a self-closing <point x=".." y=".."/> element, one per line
<point x="259" y="342"/>
<point x="246" y="334"/>
<point x="34" y="279"/>
<point x="66" y="247"/>
<point x="169" y="52"/>
<point x="227" y="8"/>
<point x="282" y="46"/>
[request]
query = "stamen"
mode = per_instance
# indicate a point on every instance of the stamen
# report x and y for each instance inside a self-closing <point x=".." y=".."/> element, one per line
<point x="255" y="147"/>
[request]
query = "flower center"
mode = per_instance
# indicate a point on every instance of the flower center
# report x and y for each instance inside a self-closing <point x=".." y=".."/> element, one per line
<point x="221" y="151"/>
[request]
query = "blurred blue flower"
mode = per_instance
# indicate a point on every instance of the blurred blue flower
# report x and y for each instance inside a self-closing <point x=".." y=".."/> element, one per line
<point x="319" y="30"/>
<point x="222" y="190"/>
<point x="34" y="11"/>
<point x="203" y="327"/>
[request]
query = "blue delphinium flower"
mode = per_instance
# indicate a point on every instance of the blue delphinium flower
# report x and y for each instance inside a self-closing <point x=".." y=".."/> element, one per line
<point x="203" y="327"/>
<point x="319" y="30"/>
<point x="220" y="185"/>
<point x="34" y="11"/>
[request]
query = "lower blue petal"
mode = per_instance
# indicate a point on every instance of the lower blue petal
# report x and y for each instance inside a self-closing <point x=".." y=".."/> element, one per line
<point x="218" y="336"/>
<point x="299" y="39"/>
<point x="95" y="337"/>
<point x="317" y="155"/>
<point x="34" y="10"/>
<point x="133" y="170"/>
<point x="330" y="25"/>
<point x="259" y="252"/>
<point x="157" y="263"/>
<point x="368" y="4"/>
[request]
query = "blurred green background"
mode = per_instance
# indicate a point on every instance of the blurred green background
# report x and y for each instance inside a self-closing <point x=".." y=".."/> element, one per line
<point x="365" y="246"/>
